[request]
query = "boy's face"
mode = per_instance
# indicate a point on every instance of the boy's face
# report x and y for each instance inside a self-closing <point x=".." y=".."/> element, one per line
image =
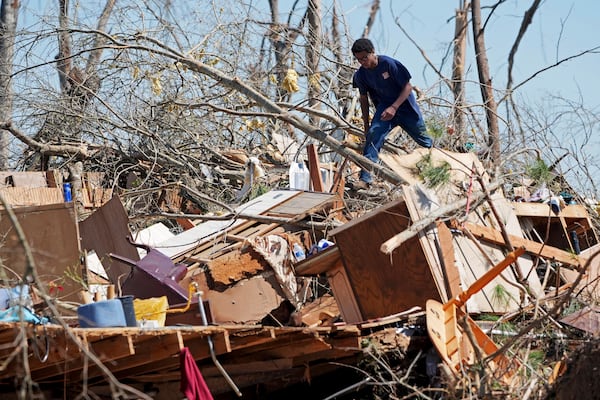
<point x="366" y="59"/>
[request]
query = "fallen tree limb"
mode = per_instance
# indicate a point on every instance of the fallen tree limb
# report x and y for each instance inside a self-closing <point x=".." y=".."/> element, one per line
<point x="82" y="150"/>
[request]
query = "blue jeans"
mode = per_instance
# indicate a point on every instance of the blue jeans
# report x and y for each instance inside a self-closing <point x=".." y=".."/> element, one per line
<point x="378" y="131"/>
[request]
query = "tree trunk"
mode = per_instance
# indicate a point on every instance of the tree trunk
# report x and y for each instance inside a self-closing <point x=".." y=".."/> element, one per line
<point x="372" y="13"/>
<point x="458" y="72"/>
<point x="485" y="85"/>
<point x="78" y="84"/>
<point x="313" y="49"/>
<point x="8" y="28"/>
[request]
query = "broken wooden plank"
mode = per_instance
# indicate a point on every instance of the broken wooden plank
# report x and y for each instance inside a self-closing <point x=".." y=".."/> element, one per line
<point x="446" y="250"/>
<point x="314" y="166"/>
<point x="319" y="263"/>
<point x="532" y="247"/>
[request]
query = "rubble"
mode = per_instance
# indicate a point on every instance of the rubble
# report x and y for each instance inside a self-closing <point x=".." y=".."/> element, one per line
<point x="249" y="313"/>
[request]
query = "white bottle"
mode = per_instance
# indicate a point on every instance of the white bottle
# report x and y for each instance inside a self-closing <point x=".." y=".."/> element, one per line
<point x="299" y="176"/>
<point x="298" y="252"/>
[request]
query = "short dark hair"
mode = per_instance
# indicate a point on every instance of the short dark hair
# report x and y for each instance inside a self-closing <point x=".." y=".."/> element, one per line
<point x="363" y="44"/>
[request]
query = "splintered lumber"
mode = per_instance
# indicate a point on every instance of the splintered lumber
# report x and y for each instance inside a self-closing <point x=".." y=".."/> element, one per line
<point x="314" y="167"/>
<point x="458" y="339"/>
<point x="539" y="249"/>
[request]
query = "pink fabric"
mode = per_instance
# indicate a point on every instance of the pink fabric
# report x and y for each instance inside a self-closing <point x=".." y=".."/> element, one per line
<point x="192" y="382"/>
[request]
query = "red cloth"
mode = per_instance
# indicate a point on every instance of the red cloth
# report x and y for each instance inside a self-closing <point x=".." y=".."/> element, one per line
<point x="192" y="382"/>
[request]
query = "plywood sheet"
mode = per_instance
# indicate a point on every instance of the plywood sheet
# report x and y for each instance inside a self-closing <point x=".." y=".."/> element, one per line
<point x="247" y="302"/>
<point x="53" y="237"/>
<point x="106" y="231"/>
<point x="209" y="230"/>
<point x="31" y="196"/>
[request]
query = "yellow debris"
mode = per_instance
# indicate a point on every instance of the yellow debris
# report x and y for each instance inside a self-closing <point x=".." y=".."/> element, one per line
<point x="290" y="82"/>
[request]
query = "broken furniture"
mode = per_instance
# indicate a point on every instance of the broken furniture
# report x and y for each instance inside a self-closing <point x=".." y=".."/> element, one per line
<point x="454" y="345"/>
<point x="367" y="283"/>
<point x="153" y="276"/>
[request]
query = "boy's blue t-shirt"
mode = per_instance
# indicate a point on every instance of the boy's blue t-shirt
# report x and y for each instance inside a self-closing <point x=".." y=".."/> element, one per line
<point x="384" y="84"/>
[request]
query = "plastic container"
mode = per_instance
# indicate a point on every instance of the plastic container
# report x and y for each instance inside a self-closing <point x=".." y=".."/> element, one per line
<point x="68" y="196"/>
<point x="154" y="308"/>
<point x="323" y="244"/>
<point x="299" y="254"/>
<point x="101" y="314"/>
<point x="299" y="176"/>
<point x="127" y="303"/>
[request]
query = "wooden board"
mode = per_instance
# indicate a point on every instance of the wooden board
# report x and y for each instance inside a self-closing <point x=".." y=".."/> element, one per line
<point x="53" y="237"/>
<point x="105" y="231"/>
<point x="446" y="250"/>
<point x="344" y="294"/>
<point x="420" y="202"/>
<point x="319" y="263"/>
<point x="31" y="196"/>
<point x="543" y="250"/>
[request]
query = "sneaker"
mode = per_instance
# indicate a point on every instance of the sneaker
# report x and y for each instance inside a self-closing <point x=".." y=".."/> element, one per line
<point x="361" y="185"/>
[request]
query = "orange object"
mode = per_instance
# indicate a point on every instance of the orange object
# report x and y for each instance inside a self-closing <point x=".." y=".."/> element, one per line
<point x="453" y="343"/>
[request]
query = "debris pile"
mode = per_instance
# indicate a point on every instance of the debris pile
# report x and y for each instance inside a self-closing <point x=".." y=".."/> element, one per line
<point x="289" y="286"/>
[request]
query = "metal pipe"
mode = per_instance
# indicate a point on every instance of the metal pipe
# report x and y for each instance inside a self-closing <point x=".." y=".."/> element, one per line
<point x="211" y="348"/>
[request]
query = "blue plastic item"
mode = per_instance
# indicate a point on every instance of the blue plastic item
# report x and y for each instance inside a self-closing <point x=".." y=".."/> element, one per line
<point x="13" y="296"/>
<point x="67" y="192"/>
<point x="17" y="313"/>
<point x="127" y="303"/>
<point x="102" y="314"/>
